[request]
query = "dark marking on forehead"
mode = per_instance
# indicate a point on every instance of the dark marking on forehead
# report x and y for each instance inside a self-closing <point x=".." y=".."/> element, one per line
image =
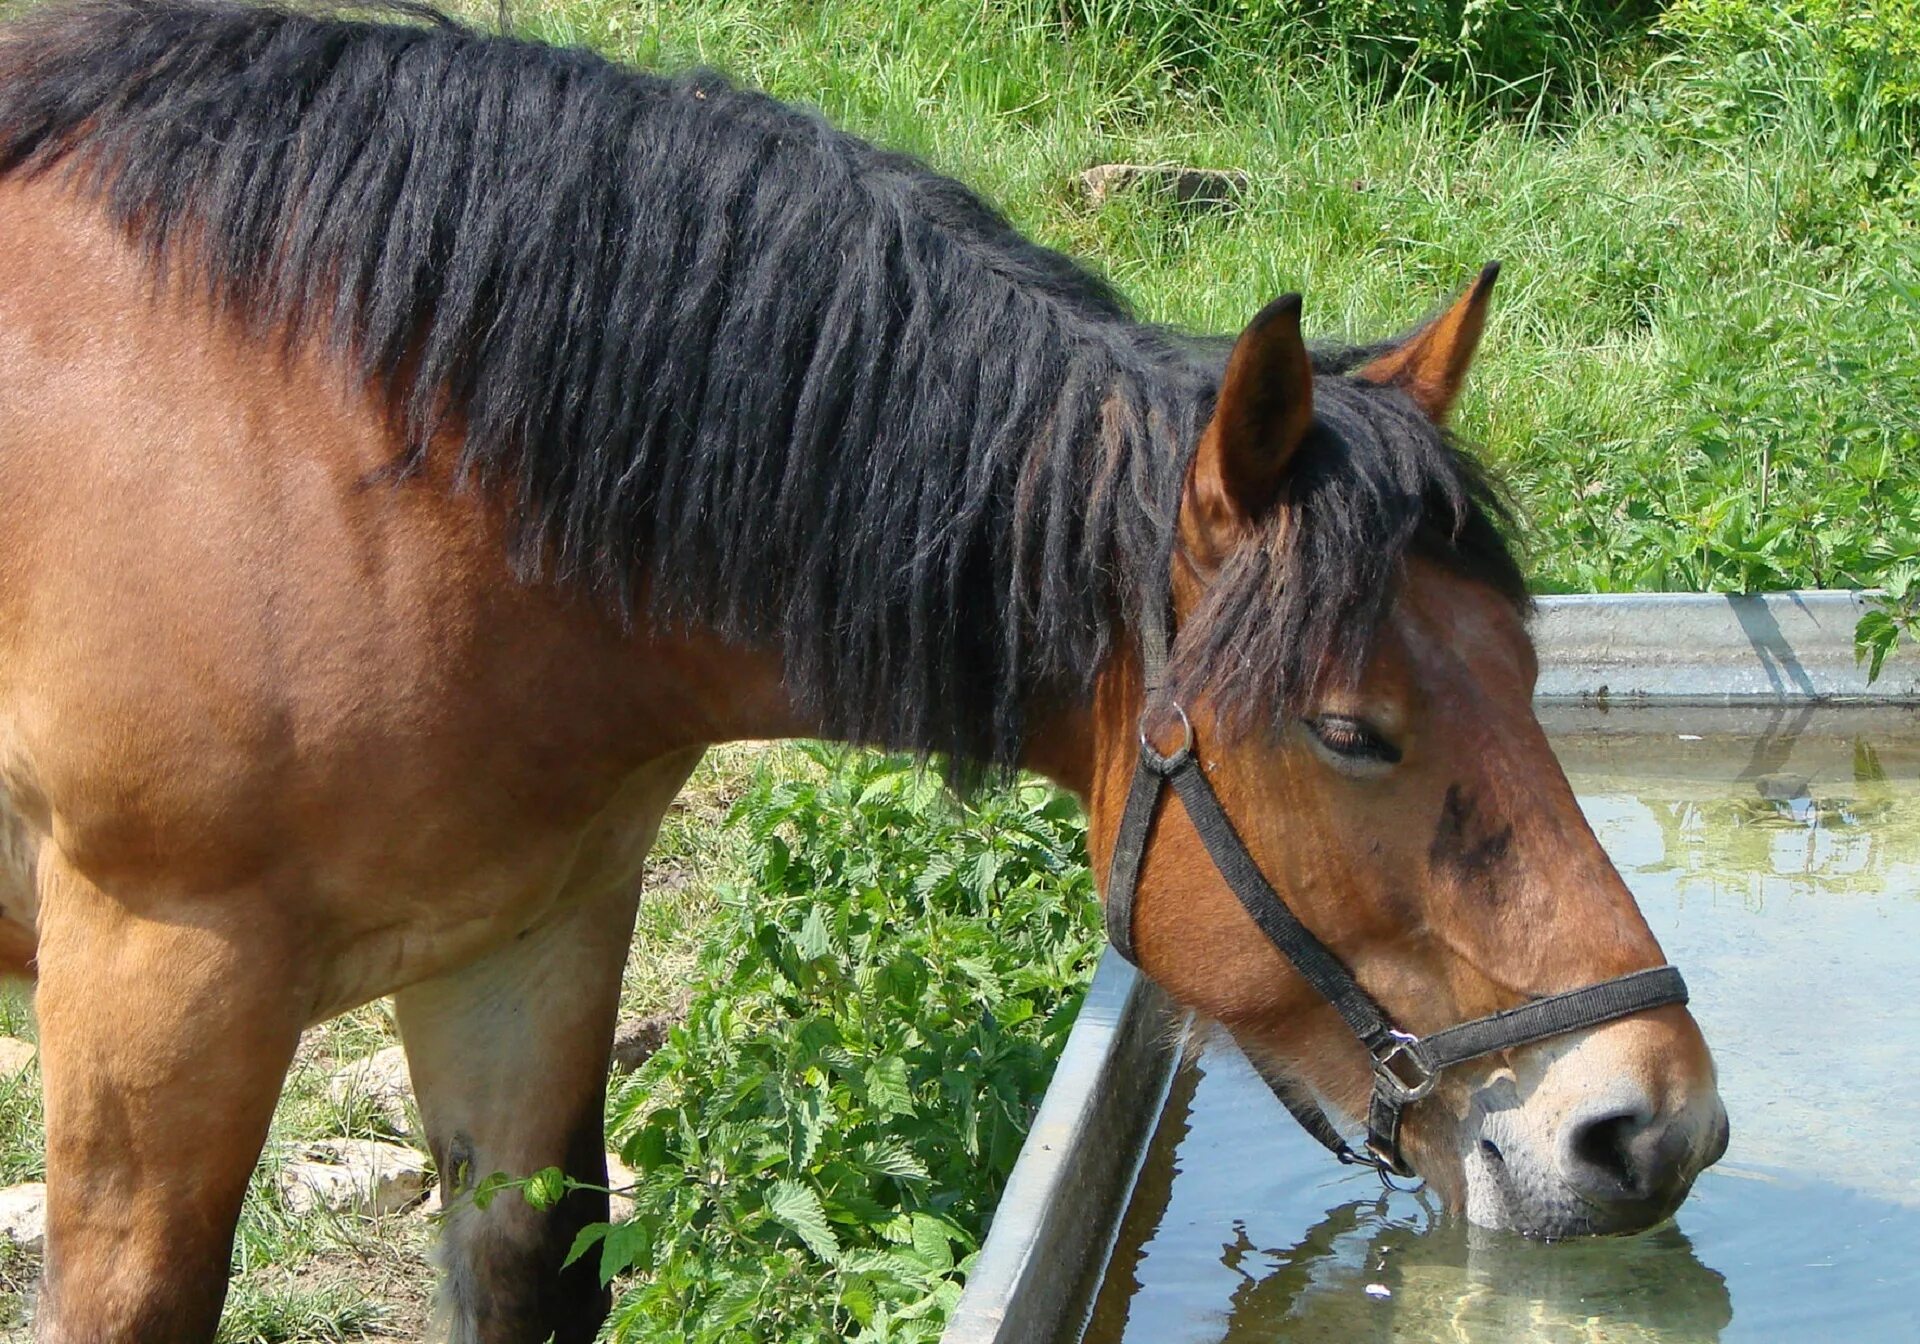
<point x="1466" y="846"/>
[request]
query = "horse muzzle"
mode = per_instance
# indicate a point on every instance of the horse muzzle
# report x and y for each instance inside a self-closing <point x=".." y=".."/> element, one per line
<point x="1572" y="1160"/>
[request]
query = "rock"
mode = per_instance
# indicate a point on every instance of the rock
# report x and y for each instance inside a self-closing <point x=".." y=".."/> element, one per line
<point x="23" y="1216"/>
<point x="362" y="1176"/>
<point x="635" y="1040"/>
<point x="379" y="1079"/>
<point x="15" y="1055"/>
<point x="1192" y="188"/>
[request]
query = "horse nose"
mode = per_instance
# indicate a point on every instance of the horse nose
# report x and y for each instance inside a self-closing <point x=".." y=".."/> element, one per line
<point x="1636" y="1163"/>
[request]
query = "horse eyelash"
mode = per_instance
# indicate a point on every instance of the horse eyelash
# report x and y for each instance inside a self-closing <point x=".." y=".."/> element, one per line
<point x="1353" y="737"/>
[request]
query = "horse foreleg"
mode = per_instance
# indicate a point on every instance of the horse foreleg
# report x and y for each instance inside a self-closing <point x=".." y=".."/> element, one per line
<point x="166" y="1029"/>
<point x="509" y="1063"/>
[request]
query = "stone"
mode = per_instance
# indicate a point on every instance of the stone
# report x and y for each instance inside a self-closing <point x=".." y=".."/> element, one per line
<point x="23" y="1216"/>
<point x="380" y="1079"/>
<point x="635" y="1040"/>
<point x="619" y="1176"/>
<point x="15" y="1055"/>
<point x="1190" y="188"/>
<point x="1782" y="786"/>
<point x="361" y="1176"/>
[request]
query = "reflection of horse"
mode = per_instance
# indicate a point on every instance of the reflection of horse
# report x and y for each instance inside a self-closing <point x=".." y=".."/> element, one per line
<point x="1449" y="1282"/>
<point x="1446" y="1281"/>
<point x="415" y="447"/>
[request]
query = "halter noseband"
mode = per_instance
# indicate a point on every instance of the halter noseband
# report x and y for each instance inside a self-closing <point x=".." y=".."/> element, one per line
<point x="1406" y="1067"/>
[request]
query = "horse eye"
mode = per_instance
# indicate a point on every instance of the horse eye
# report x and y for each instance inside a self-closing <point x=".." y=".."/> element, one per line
<point x="1353" y="738"/>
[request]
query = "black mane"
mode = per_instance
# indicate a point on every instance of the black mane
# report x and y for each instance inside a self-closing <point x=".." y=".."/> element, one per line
<point x="733" y="366"/>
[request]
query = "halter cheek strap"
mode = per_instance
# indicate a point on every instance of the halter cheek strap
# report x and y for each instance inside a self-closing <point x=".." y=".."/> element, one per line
<point x="1406" y="1067"/>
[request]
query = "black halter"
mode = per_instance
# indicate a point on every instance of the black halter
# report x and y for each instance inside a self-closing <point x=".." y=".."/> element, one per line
<point x="1405" y="1067"/>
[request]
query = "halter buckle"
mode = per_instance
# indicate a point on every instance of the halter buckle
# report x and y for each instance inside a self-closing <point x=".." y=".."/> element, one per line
<point x="1402" y="1070"/>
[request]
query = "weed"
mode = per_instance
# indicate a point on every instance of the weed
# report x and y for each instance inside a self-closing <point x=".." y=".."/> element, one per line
<point x="819" y="1145"/>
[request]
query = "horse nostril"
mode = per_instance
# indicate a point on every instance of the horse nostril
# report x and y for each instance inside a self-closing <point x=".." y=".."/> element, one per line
<point x="1627" y="1157"/>
<point x="1600" y="1159"/>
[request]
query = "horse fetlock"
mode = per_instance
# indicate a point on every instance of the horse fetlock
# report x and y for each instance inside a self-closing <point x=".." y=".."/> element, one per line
<point x="500" y="1258"/>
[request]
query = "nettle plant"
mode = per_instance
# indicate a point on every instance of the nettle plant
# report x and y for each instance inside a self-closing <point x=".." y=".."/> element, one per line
<point x="1894" y="618"/>
<point x="819" y="1146"/>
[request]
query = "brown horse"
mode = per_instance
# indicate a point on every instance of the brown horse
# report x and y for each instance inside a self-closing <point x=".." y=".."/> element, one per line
<point x="416" y="446"/>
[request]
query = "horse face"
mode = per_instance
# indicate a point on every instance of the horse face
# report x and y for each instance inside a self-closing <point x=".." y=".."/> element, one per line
<point x="1413" y="816"/>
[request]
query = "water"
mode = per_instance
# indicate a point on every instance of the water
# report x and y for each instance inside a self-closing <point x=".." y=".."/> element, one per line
<point x="1781" y="871"/>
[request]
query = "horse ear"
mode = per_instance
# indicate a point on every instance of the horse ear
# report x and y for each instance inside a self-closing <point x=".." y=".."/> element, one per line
<point x="1264" y="410"/>
<point x="1431" y="365"/>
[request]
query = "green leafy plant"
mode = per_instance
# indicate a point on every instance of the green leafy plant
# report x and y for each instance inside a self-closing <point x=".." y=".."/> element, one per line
<point x="819" y="1146"/>
<point x="1868" y="52"/>
<point x="1895" y="616"/>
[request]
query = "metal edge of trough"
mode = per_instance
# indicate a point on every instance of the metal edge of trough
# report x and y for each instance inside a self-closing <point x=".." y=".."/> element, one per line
<point x="1046" y="1251"/>
<point x="1057" y="1219"/>
<point x="1623" y="649"/>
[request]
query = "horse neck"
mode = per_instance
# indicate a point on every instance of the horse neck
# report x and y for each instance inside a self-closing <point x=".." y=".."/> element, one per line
<point x="699" y="689"/>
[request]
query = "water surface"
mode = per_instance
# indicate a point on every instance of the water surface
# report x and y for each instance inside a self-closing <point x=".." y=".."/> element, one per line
<point x="1781" y="870"/>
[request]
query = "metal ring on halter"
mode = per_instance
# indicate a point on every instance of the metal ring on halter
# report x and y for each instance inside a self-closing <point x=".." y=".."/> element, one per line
<point x="1179" y="756"/>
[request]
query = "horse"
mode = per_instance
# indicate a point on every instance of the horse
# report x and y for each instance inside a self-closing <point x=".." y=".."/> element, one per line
<point x="417" y="446"/>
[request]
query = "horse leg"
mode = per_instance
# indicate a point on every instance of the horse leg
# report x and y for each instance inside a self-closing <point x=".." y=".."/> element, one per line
<point x="166" y="1028"/>
<point x="509" y="1063"/>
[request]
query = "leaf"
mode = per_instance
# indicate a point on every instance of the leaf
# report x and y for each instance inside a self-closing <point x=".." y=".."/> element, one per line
<point x="590" y="1236"/>
<point x="647" y="1149"/>
<point x="490" y="1187"/>
<point x="931" y="1242"/>
<point x="888" y="1091"/>
<point x="890" y="1157"/>
<point x="797" y="1208"/>
<point x="1866" y="762"/>
<point x="810" y="1115"/>
<point x="545" y="1187"/>
<point x="858" y="1300"/>
<point x="814" y="940"/>
<point x="1873" y="640"/>
<point x="737" y="1303"/>
<point x="627" y="1246"/>
<point x="898" y="1230"/>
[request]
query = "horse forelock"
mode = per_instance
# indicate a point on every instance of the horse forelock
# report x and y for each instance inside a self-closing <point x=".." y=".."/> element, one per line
<point x="715" y="352"/>
<point x="1299" y="606"/>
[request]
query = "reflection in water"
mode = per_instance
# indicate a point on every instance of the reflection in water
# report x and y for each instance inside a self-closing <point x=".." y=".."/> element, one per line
<point x="1782" y="834"/>
<point x="1783" y="876"/>
<point x="1379" y="1267"/>
<point x="1437" y="1280"/>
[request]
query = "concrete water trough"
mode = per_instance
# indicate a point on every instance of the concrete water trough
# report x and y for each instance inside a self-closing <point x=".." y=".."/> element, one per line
<point x="1700" y="669"/>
